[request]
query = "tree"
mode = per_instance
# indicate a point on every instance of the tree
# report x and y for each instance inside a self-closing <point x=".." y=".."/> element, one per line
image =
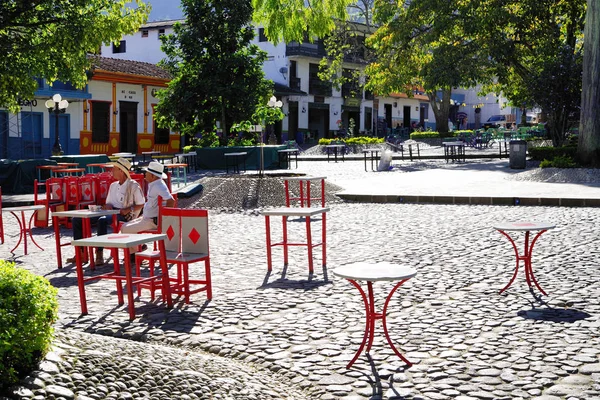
<point x="589" y="128"/>
<point x="293" y="20"/>
<point x="424" y="44"/>
<point x="536" y="49"/>
<point x="217" y="74"/>
<point x="50" y="39"/>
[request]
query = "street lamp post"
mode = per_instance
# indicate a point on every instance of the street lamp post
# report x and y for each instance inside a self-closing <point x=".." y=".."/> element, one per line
<point x="273" y="103"/>
<point x="56" y="105"/>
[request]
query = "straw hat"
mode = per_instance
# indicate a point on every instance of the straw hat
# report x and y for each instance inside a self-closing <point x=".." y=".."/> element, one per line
<point x="156" y="169"/>
<point x="124" y="165"/>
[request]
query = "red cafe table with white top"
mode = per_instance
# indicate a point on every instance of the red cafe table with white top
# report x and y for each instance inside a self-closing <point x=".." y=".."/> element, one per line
<point x="124" y="242"/>
<point x="527" y="227"/>
<point x="375" y="272"/>
<point x="24" y="228"/>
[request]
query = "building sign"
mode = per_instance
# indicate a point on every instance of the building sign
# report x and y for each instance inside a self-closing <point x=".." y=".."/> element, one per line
<point x="128" y="94"/>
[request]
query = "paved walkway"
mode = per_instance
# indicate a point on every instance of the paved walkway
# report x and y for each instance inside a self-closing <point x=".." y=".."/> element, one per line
<point x="466" y="341"/>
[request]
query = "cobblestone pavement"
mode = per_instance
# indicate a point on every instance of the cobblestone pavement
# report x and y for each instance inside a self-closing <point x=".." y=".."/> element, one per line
<point x="262" y="332"/>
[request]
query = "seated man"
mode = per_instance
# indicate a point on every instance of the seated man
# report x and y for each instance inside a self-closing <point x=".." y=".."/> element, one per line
<point x="156" y="187"/>
<point x="125" y="195"/>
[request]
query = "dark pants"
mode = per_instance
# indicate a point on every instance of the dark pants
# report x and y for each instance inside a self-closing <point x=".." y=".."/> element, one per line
<point x="103" y="222"/>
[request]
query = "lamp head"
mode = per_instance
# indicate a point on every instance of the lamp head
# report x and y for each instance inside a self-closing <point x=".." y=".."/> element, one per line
<point x="57" y="98"/>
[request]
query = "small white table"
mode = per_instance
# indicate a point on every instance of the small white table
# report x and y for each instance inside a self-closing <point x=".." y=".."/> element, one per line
<point x="149" y="153"/>
<point x="307" y="213"/>
<point x="527" y="227"/>
<point x="304" y="195"/>
<point x="85" y="215"/>
<point x="125" y="242"/>
<point x="335" y="148"/>
<point x="370" y="273"/>
<point x="24" y="229"/>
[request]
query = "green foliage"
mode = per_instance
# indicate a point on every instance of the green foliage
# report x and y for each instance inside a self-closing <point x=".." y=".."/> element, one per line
<point x="559" y="162"/>
<point x="358" y="140"/>
<point x="217" y="73"/>
<point x="289" y="20"/>
<point x="424" y="135"/>
<point x="28" y="310"/>
<point x="209" y="139"/>
<point x="550" y="153"/>
<point x="51" y="39"/>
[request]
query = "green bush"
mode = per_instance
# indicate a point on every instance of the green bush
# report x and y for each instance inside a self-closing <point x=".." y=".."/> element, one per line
<point x="549" y="153"/>
<point x="559" y="162"/>
<point x="359" y="140"/>
<point x="28" y="310"/>
<point x="424" y="135"/>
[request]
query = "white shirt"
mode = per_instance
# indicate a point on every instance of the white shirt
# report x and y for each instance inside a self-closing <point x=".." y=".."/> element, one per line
<point x="155" y="189"/>
<point x="116" y="194"/>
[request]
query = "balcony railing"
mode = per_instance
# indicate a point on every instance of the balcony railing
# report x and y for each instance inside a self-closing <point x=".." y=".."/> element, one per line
<point x="320" y="88"/>
<point x="315" y="50"/>
<point x="295" y="83"/>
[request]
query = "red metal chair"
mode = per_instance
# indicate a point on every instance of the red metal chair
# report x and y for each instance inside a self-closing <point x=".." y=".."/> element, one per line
<point x="187" y="243"/>
<point x="103" y="182"/>
<point x="139" y="178"/>
<point x="80" y="192"/>
<point x="54" y="200"/>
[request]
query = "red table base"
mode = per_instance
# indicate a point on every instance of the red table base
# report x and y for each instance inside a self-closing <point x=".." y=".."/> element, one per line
<point x="529" y="276"/>
<point x="372" y="316"/>
<point x="24" y="229"/>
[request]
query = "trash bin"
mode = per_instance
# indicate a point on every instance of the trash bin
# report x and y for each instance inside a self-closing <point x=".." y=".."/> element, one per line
<point x="517" y="154"/>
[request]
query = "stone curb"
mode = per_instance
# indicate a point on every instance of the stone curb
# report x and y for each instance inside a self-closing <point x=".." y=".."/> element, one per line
<point x="472" y="200"/>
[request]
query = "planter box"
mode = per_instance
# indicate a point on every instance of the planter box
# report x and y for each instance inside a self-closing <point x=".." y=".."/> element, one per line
<point x="212" y="157"/>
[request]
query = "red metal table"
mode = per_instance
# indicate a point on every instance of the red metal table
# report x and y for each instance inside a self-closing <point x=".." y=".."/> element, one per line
<point x="24" y="229"/>
<point x="527" y="227"/>
<point x="85" y="215"/>
<point x="125" y="242"/>
<point x="306" y="213"/>
<point x="374" y="273"/>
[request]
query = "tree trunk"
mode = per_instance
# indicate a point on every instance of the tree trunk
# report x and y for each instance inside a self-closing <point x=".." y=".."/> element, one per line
<point x="589" y="124"/>
<point x="441" y="109"/>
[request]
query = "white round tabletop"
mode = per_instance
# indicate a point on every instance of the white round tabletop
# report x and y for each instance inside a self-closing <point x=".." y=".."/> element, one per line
<point x="382" y="271"/>
<point x="523" y="226"/>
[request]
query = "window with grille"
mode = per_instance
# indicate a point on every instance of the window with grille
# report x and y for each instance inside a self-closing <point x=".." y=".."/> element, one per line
<point x="120" y="48"/>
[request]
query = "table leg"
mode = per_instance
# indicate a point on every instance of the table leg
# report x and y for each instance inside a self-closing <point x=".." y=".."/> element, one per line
<point x="166" y="289"/>
<point x="21" y="232"/>
<point x="117" y="271"/>
<point x="286" y="184"/>
<point x="309" y="246"/>
<point x="324" y="239"/>
<point x="371" y="317"/>
<point x="307" y="194"/>
<point x="526" y="257"/>
<point x="285" y="241"/>
<point x="57" y="239"/>
<point x="129" y="284"/>
<point x="365" y="153"/>
<point x="80" y="282"/>
<point x="268" y="229"/>
<point x="29" y="230"/>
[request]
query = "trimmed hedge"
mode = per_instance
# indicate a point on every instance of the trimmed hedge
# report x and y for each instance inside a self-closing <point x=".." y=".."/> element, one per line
<point x="435" y="135"/>
<point x="550" y="153"/>
<point x="28" y="310"/>
<point x="358" y="140"/>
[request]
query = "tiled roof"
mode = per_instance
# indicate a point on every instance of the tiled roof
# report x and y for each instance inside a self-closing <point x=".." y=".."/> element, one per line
<point x="128" y="67"/>
<point x="161" y="24"/>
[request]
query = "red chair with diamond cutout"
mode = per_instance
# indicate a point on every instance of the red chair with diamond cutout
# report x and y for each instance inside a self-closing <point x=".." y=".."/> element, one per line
<point x="189" y="230"/>
<point x="53" y="200"/>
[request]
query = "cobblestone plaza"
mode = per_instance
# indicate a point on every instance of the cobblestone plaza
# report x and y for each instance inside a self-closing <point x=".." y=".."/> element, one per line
<point x="288" y="335"/>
